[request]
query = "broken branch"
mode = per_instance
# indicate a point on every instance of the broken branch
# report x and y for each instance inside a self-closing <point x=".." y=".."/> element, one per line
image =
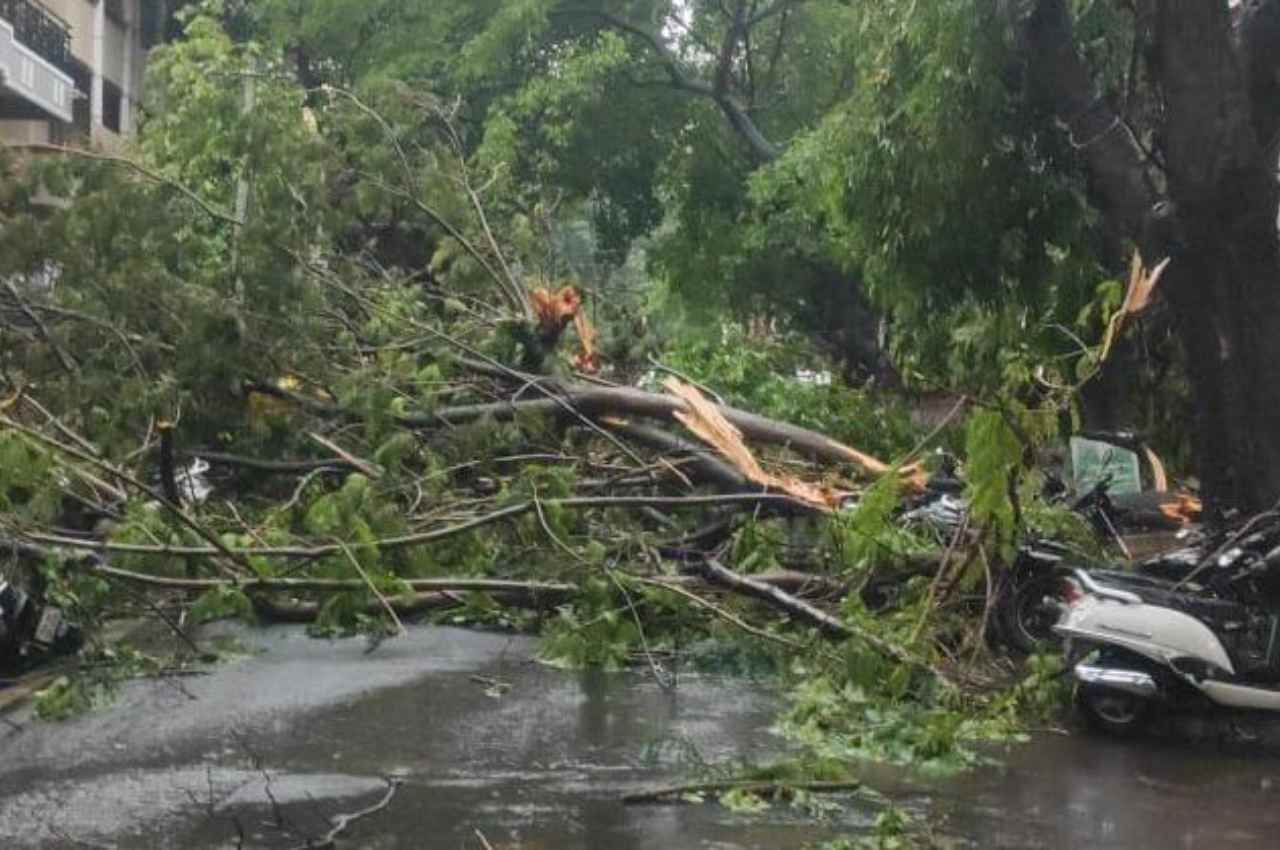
<point x="827" y="624"/>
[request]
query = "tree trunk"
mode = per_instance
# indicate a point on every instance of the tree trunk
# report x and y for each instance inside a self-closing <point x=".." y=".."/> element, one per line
<point x="1224" y="281"/>
<point x="848" y="325"/>
<point x="1224" y="287"/>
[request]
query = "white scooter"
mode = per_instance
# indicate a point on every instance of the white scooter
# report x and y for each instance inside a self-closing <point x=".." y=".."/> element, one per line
<point x="1135" y="643"/>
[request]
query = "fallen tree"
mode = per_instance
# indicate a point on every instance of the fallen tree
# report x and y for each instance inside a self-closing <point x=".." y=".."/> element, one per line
<point x="572" y="400"/>
<point x="389" y="437"/>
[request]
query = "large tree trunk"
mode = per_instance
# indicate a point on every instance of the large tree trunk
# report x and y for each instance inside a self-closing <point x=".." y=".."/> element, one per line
<point x="1212" y="209"/>
<point x="1226" y="297"/>
<point x="1224" y="282"/>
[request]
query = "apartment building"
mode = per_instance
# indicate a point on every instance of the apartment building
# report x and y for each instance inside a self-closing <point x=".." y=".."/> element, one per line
<point x="71" y="70"/>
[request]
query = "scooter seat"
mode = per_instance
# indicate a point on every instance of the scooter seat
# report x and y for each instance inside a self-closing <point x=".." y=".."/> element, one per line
<point x="1154" y="591"/>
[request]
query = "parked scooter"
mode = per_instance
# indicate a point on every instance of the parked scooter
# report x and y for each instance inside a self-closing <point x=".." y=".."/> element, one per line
<point x="1135" y="643"/>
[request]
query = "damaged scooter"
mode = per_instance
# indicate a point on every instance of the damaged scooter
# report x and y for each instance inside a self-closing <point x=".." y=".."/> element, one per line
<point x="30" y="630"/>
<point x="1138" y="644"/>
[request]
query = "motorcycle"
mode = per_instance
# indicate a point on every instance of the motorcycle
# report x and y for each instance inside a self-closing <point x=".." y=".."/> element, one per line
<point x="31" y="631"/>
<point x="1026" y="608"/>
<point x="1137" y="643"/>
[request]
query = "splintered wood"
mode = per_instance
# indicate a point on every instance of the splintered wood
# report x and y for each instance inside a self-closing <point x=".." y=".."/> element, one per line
<point x="1136" y="298"/>
<point x="554" y="310"/>
<point x="705" y="420"/>
<point x="588" y="359"/>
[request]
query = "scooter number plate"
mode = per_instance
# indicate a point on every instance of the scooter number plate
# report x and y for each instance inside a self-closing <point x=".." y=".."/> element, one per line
<point x="47" y="630"/>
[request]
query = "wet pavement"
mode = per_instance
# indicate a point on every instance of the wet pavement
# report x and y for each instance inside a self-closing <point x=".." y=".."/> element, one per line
<point x="480" y="736"/>
<point x="1080" y="791"/>
<point x="484" y="741"/>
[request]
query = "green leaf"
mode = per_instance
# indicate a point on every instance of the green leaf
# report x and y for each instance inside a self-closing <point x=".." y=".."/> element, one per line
<point x="323" y="517"/>
<point x="220" y="603"/>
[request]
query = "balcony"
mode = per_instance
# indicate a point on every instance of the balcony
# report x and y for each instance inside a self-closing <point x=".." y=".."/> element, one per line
<point x="35" y="62"/>
<point x="39" y="29"/>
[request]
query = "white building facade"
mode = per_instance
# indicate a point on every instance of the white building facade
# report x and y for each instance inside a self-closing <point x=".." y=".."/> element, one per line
<point x="71" y="70"/>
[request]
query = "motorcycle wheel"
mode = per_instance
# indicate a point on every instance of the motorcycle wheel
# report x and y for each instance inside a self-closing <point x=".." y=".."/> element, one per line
<point x="1028" y="621"/>
<point x="1112" y="712"/>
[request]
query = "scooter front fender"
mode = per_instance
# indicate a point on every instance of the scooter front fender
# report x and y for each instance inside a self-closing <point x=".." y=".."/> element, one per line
<point x="1153" y="631"/>
<point x="1241" y="696"/>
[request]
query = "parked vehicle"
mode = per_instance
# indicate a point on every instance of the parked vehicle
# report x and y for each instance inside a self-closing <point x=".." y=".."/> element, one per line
<point x="1026" y="607"/>
<point x="1136" y="643"/>
<point x="31" y="631"/>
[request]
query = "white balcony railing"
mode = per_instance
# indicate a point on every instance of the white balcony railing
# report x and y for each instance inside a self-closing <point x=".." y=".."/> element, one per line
<point x="35" y="56"/>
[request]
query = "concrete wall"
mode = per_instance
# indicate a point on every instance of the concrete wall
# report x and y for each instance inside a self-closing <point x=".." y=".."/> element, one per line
<point x="79" y="14"/>
<point x="25" y="132"/>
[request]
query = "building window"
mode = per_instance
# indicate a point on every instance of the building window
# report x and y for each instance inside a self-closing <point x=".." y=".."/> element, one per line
<point x="82" y="77"/>
<point x="115" y="11"/>
<point x="78" y="130"/>
<point x="112" y="103"/>
<point x="151" y="24"/>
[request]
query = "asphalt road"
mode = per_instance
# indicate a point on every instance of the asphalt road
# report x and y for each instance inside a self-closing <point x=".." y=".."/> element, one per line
<point x="270" y="748"/>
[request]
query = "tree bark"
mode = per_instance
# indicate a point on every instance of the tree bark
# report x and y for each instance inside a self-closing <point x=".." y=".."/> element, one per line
<point x="1259" y="42"/>
<point x="1224" y="284"/>
<point x="596" y="401"/>
<point x="1059" y="77"/>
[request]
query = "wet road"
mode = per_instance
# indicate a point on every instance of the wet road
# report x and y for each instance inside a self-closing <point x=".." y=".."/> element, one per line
<point x="1077" y="791"/>
<point x="273" y="745"/>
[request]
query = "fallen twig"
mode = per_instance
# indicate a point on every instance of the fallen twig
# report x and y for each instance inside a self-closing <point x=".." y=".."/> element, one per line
<point x="727" y="616"/>
<point x="341" y="822"/>
<point x="67" y="362"/>
<point x="19" y="691"/>
<point x="298" y="585"/>
<point x="827" y="624"/>
<point x="373" y="588"/>
<point x="272" y="610"/>
<point x="673" y="793"/>
<point x="368" y="469"/>
<point x="703" y="388"/>
<point x="154" y="176"/>
<point x="272" y="466"/>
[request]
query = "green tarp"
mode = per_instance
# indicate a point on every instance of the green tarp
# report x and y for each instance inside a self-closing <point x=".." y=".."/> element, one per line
<point x="1091" y="461"/>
